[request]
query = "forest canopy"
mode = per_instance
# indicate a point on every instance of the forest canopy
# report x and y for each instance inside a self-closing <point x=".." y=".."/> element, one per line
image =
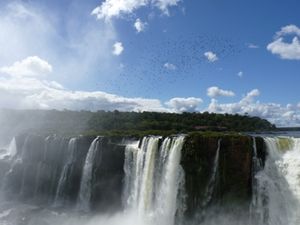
<point x="80" y="122"/>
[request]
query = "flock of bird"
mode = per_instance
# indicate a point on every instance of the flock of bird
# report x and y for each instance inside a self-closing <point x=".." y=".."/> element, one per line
<point x="148" y="73"/>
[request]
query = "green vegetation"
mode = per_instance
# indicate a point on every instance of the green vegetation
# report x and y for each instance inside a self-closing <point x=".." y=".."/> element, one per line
<point x="124" y="123"/>
<point x="185" y="122"/>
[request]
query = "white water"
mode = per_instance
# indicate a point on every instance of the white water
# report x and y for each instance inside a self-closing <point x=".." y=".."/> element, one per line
<point x="172" y="179"/>
<point x="154" y="186"/>
<point x="153" y="180"/>
<point x="59" y="197"/>
<point x="11" y="150"/>
<point x="147" y="175"/>
<point x="212" y="182"/>
<point x="85" y="191"/>
<point x="278" y="184"/>
<point x="256" y="213"/>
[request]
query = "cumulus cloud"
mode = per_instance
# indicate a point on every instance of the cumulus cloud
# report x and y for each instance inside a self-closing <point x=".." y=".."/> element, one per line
<point x="164" y="5"/>
<point x="25" y="92"/>
<point x="289" y="29"/>
<point x="281" y="115"/>
<point x="170" y="66"/>
<point x="240" y="74"/>
<point x="211" y="57"/>
<point x="251" y="45"/>
<point x="116" y="8"/>
<point x="30" y="66"/>
<point x="139" y="25"/>
<point x="78" y="48"/>
<point x="184" y="104"/>
<point x="286" y="50"/>
<point x="214" y="92"/>
<point x="118" y="48"/>
<point x="32" y="92"/>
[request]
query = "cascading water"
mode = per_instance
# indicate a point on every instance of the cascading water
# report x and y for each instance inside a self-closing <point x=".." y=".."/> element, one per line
<point x="172" y="181"/>
<point x="153" y="179"/>
<point x="63" y="180"/>
<point x="139" y="172"/>
<point x="277" y="196"/>
<point x="156" y="189"/>
<point x="212" y="181"/>
<point x="11" y="150"/>
<point x="85" y="191"/>
<point x="255" y="213"/>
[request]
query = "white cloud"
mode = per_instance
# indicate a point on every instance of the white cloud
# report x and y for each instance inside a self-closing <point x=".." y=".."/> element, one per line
<point x="21" y="92"/>
<point x="116" y="8"/>
<point x="211" y="57"/>
<point x="140" y="25"/>
<point x="30" y="66"/>
<point x="289" y="29"/>
<point x="251" y="45"/>
<point x="164" y="5"/>
<point x="32" y="93"/>
<point x="170" y="66"/>
<point x="118" y="48"/>
<point x="27" y="92"/>
<point x="184" y="104"/>
<point x="240" y="74"/>
<point x="253" y="93"/>
<point x="286" y="50"/>
<point x="287" y="115"/>
<point x="78" y="48"/>
<point x="214" y="92"/>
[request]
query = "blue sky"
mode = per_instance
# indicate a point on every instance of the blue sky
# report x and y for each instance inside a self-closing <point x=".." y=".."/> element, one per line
<point x="157" y="55"/>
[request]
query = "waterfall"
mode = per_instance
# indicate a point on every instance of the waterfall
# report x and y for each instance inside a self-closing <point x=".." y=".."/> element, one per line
<point x="147" y="175"/>
<point x="213" y="179"/>
<point x="11" y="150"/>
<point x="154" y="179"/>
<point x="278" y="185"/>
<point x="129" y="195"/>
<point x="85" y="191"/>
<point x="255" y="213"/>
<point x="140" y="177"/>
<point x="172" y="180"/>
<point x="63" y="180"/>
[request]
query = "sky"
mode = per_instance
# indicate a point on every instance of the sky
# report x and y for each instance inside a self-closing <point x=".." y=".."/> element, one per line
<point x="152" y="55"/>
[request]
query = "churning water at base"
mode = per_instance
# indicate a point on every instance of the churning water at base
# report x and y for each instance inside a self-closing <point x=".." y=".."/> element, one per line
<point x="154" y="180"/>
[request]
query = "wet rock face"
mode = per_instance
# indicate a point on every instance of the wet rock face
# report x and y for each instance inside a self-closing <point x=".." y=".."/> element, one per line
<point x="261" y="149"/>
<point x="232" y="179"/>
<point x="108" y="176"/>
<point x="197" y="161"/>
<point x="74" y="177"/>
<point x="33" y="149"/>
<point x="235" y="169"/>
<point x="4" y="167"/>
<point x="36" y="172"/>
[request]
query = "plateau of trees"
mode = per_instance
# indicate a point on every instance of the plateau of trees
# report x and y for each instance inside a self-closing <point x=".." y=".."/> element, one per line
<point x="184" y="122"/>
<point x="85" y="122"/>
